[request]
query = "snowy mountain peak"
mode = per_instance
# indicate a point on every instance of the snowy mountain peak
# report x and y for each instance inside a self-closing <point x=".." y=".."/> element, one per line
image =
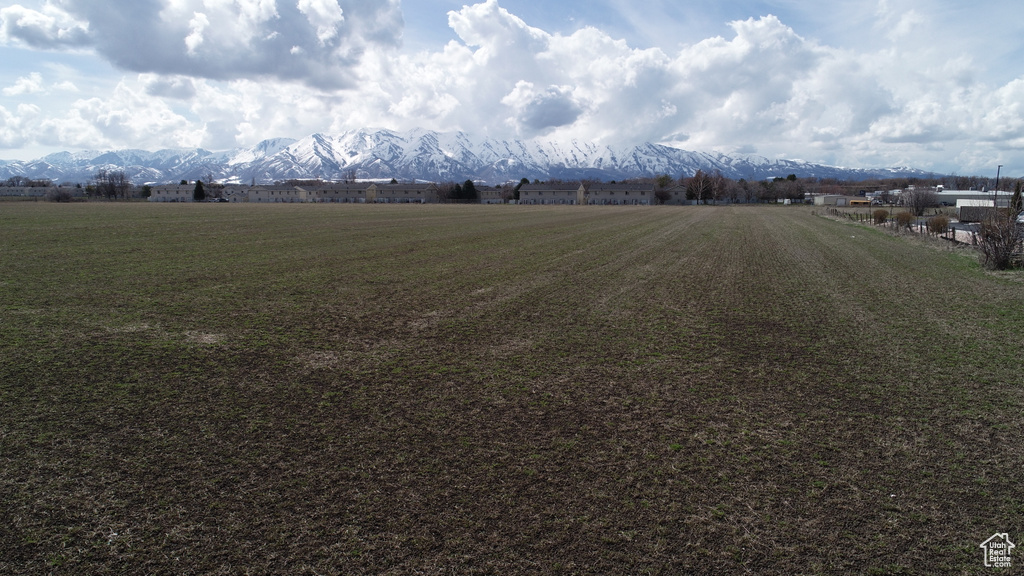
<point x="420" y="154"/>
<point x="264" y="149"/>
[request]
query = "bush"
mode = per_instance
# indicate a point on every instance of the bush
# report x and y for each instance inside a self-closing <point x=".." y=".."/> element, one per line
<point x="58" y="195"/>
<point x="938" y="224"/>
<point x="880" y="216"/>
<point x="1000" y="237"/>
<point x="904" y="219"/>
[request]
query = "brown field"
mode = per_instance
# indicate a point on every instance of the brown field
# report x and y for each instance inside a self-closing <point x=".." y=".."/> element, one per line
<point x="309" y="389"/>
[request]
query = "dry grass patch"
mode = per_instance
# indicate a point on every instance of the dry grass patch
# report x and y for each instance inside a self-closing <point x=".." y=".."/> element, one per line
<point x="320" y="360"/>
<point x="197" y="337"/>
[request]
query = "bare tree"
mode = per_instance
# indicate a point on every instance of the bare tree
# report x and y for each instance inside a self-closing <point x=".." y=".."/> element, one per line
<point x="212" y="188"/>
<point x="718" y="186"/>
<point x="25" y="182"/>
<point x="790" y="188"/>
<point x="507" y="193"/>
<point x="748" y="190"/>
<point x="448" y="191"/>
<point x="829" y="186"/>
<point x="699" y="187"/>
<point x="964" y="182"/>
<point x="917" y="200"/>
<point x="112" y="184"/>
<point x="733" y="191"/>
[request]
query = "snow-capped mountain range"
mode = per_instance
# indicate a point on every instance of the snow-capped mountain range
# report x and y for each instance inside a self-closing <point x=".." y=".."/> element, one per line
<point x="421" y="155"/>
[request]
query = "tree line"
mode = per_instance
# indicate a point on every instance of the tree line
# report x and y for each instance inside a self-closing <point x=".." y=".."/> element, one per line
<point x="23" y="182"/>
<point x="704" y="187"/>
<point x="711" y="187"/>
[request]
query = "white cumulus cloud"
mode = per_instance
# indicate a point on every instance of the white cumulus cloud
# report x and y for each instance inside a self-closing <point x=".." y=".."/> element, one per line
<point x="232" y="72"/>
<point x="216" y="39"/>
<point x="49" y="28"/>
<point x="197" y="25"/>
<point x="30" y="84"/>
<point x="325" y="15"/>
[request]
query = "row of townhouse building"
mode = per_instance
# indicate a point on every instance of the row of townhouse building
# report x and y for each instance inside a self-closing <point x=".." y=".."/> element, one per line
<point x="286" y="193"/>
<point x="556" y="193"/>
<point x="38" y="191"/>
<point x="599" y="193"/>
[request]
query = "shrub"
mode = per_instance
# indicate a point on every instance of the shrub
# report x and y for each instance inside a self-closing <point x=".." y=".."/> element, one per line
<point x="880" y="216"/>
<point x="938" y="224"/>
<point x="999" y="238"/>
<point x="904" y="219"/>
<point x="58" y="195"/>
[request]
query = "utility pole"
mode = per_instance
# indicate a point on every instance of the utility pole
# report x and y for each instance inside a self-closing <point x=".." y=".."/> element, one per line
<point x="995" y="196"/>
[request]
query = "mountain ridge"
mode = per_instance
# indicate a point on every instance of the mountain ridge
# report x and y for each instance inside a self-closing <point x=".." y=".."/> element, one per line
<point x="424" y="155"/>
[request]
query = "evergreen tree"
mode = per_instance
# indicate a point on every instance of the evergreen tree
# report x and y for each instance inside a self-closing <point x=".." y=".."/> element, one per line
<point x="1017" y="202"/>
<point x="469" y="191"/>
<point x="199" y="194"/>
<point x="515" y="191"/>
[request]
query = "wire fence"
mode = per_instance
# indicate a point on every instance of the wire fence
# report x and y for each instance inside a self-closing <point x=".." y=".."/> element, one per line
<point x="916" y="225"/>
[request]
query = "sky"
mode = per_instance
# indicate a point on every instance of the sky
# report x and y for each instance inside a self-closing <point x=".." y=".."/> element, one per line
<point x="932" y="84"/>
